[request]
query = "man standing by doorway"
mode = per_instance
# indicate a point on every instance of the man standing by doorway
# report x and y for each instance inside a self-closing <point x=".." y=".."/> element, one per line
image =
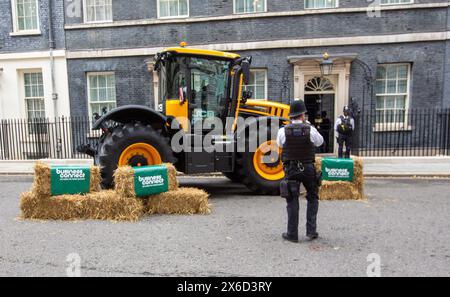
<point x="344" y="126"/>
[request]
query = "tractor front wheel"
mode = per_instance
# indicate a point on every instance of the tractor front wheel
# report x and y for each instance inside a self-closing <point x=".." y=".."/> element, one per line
<point x="262" y="170"/>
<point x="133" y="144"/>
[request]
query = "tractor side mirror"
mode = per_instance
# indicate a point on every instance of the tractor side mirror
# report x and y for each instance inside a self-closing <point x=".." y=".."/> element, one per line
<point x="245" y="65"/>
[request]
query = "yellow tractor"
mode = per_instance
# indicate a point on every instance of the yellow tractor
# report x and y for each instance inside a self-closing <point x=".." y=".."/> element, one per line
<point x="195" y="85"/>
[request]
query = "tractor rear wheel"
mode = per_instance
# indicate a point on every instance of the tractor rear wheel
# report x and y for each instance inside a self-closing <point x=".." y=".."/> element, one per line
<point x="262" y="170"/>
<point x="133" y="144"/>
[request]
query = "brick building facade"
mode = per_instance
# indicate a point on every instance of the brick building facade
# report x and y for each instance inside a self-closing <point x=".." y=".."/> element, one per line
<point x="388" y="55"/>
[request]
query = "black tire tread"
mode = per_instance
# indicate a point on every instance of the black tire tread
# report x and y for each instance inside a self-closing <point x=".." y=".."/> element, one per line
<point x="111" y="147"/>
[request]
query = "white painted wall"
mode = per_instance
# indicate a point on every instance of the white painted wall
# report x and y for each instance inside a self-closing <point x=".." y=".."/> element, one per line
<point x="12" y="104"/>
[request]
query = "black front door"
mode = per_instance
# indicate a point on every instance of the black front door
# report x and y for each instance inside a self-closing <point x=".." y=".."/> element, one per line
<point x="320" y="113"/>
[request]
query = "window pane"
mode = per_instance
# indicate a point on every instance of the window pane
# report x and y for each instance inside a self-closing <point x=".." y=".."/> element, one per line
<point x="90" y="13"/>
<point x="260" y="92"/>
<point x="402" y="86"/>
<point x="260" y="78"/>
<point x="102" y="95"/>
<point x="173" y="8"/>
<point x="98" y="10"/>
<point x="101" y="81"/>
<point x="183" y="7"/>
<point x="400" y="102"/>
<point x="381" y="72"/>
<point x="403" y="71"/>
<point x="320" y="3"/>
<point x="93" y="95"/>
<point x="381" y="87"/>
<point x="260" y="5"/>
<point x="239" y="4"/>
<point x="380" y="102"/>
<point x="391" y="87"/>
<point x="392" y="72"/>
<point x="163" y="9"/>
<point x="401" y="116"/>
<point x="390" y="102"/>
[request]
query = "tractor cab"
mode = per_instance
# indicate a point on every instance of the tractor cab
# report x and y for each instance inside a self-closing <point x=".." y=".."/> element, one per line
<point x="196" y="84"/>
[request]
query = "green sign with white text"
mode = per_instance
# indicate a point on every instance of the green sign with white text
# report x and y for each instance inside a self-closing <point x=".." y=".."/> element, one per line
<point x="150" y="180"/>
<point x="334" y="169"/>
<point x="68" y="180"/>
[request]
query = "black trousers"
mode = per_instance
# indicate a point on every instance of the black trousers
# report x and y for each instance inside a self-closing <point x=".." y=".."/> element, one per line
<point x="308" y="178"/>
<point x="347" y="141"/>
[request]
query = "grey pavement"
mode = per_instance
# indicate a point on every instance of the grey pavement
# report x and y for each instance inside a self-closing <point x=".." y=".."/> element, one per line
<point x="407" y="166"/>
<point x="405" y="221"/>
<point x="373" y="166"/>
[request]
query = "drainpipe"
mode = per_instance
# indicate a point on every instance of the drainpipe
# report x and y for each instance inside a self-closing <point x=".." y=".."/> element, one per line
<point x="51" y="46"/>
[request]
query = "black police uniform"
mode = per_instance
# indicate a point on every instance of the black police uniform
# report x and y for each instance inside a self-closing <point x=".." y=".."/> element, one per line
<point x="345" y="137"/>
<point x="298" y="158"/>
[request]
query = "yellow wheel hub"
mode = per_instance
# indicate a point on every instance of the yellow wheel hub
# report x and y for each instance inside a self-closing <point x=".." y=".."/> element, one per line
<point x="267" y="161"/>
<point x="140" y="154"/>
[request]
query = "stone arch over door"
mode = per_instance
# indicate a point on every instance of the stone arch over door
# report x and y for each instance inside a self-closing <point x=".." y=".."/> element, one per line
<point x="307" y="67"/>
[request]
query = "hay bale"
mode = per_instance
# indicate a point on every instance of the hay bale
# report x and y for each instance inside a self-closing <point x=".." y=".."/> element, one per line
<point x="124" y="180"/>
<point x="179" y="201"/>
<point x="104" y="205"/>
<point x="341" y="190"/>
<point x="42" y="179"/>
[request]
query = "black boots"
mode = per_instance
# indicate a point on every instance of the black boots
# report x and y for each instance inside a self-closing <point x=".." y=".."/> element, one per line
<point x="312" y="236"/>
<point x="289" y="238"/>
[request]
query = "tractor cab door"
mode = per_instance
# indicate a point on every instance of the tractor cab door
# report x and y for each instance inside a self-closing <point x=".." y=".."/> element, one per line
<point x="209" y="99"/>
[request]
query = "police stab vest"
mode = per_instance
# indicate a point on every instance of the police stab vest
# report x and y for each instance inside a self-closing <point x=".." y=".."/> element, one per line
<point x="345" y="128"/>
<point x="298" y="145"/>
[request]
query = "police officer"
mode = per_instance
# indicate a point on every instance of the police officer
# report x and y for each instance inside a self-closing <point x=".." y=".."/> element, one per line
<point x="299" y="140"/>
<point x="344" y="127"/>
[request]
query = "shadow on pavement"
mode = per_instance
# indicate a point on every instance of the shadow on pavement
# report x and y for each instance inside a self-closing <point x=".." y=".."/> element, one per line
<point x="217" y="187"/>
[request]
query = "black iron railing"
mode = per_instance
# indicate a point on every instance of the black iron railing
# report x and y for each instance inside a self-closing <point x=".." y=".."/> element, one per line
<point x="57" y="138"/>
<point x="414" y="132"/>
<point x="397" y="133"/>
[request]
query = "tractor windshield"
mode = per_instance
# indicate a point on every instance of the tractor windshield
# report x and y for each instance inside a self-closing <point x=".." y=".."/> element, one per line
<point x="202" y="82"/>
<point x="209" y="81"/>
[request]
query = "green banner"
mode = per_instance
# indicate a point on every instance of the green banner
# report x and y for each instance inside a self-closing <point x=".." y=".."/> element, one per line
<point x="150" y="180"/>
<point x="334" y="169"/>
<point x="70" y="180"/>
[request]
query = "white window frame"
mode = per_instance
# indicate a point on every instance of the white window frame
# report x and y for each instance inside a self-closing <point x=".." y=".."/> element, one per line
<point x="403" y="125"/>
<point x="22" y="73"/>
<point x="391" y="4"/>
<point x="16" y="30"/>
<point x="312" y="8"/>
<point x="86" y="21"/>
<point x="248" y="12"/>
<point x="266" y="79"/>
<point x="172" y="17"/>
<point x="88" y="90"/>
